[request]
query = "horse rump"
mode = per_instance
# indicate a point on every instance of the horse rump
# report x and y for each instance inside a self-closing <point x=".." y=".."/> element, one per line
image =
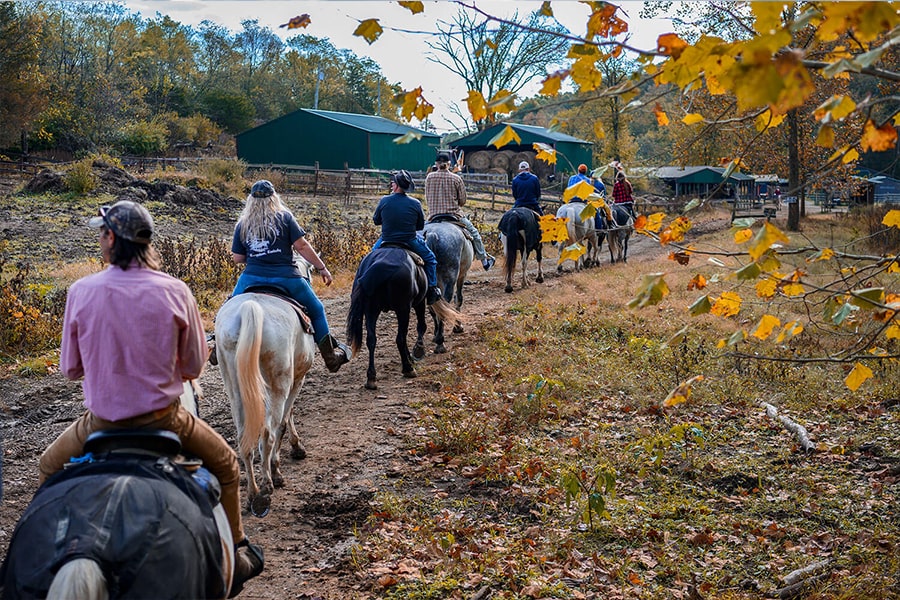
<point x="149" y="528"/>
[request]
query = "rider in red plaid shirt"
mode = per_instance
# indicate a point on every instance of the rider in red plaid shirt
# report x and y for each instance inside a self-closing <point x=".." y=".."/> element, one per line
<point x="445" y="194"/>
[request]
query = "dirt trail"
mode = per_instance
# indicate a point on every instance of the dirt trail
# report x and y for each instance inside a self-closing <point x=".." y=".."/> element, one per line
<point x="354" y="439"/>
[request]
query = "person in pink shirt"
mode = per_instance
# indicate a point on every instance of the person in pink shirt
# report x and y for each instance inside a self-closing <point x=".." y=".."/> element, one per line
<point x="134" y="334"/>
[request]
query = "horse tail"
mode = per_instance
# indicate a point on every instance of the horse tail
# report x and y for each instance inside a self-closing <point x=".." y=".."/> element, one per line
<point x="250" y="379"/>
<point x="79" y="578"/>
<point x="446" y="313"/>
<point x="355" y="318"/>
<point x="509" y="226"/>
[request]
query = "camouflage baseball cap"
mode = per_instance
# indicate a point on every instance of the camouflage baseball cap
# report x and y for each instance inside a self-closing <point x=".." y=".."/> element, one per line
<point x="126" y="219"/>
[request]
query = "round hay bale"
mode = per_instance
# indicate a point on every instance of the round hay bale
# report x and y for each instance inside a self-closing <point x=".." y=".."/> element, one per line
<point x="527" y="156"/>
<point x="479" y="161"/>
<point x="502" y="159"/>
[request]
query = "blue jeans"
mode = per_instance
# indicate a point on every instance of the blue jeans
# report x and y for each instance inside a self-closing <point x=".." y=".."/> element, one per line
<point x="418" y="246"/>
<point x="299" y="289"/>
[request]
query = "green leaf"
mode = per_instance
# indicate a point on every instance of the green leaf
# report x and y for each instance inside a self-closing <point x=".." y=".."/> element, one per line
<point x="743" y="223"/>
<point x="691" y="205"/>
<point x="738" y="336"/>
<point x="845" y="311"/>
<point x="867" y="298"/>
<point x="749" y="272"/>
<point x="701" y="305"/>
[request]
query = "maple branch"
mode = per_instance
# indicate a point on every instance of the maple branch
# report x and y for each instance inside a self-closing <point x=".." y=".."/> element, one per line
<point x="880" y="73"/>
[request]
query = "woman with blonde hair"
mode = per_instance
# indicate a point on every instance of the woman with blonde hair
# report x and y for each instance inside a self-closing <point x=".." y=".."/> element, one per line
<point x="265" y="239"/>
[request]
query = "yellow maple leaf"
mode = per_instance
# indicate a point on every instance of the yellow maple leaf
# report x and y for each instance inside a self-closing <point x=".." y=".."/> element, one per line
<point x="765" y="327"/>
<point x="793" y="289"/>
<point x="599" y="131"/>
<point x="298" y="22"/>
<point x="414" y="7"/>
<point x="727" y="305"/>
<point x="682" y="392"/>
<point x="767" y="120"/>
<point x="857" y="376"/>
<point x="553" y="83"/>
<point x="651" y="291"/>
<point x="878" y="139"/>
<point x="867" y="20"/>
<point x="765" y="288"/>
<point x="662" y="119"/>
<point x="894" y="267"/>
<point x="545" y="152"/>
<point x="742" y="235"/>
<point x="477" y="105"/>
<point x="604" y="22"/>
<point x="767" y="16"/>
<point x="788" y="331"/>
<point x="572" y="252"/>
<point x="851" y="155"/>
<point x="765" y="237"/>
<point x="503" y="102"/>
<point x="582" y="189"/>
<point x="649" y="223"/>
<point x="546" y="10"/>
<point x="506" y="135"/>
<point x="586" y="75"/>
<point x="825" y="254"/>
<point x="369" y="30"/>
<point x="413" y="104"/>
<point x="675" y="231"/>
<point x="553" y="229"/>
<point x="893" y="332"/>
<point x="692" y="119"/>
<point x="891" y="219"/>
<point x="825" y="136"/>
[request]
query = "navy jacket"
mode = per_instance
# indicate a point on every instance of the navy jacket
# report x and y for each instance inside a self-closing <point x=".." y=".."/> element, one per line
<point x="526" y="190"/>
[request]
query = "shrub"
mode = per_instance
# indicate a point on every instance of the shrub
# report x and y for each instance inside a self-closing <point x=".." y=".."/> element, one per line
<point x="207" y="267"/>
<point x="144" y="138"/>
<point x="80" y="178"/>
<point x="224" y="175"/>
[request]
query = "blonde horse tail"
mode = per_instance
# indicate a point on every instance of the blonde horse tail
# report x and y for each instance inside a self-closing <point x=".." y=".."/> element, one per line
<point x="79" y="578"/>
<point x="250" y="379"/>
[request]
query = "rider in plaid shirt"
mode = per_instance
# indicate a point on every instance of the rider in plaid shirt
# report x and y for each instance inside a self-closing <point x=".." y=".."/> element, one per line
<point x="445" y="193"/>
<point x="622" y="192"/>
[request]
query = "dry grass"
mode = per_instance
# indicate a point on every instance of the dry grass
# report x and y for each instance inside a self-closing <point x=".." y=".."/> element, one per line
<point x="564" y="395"/>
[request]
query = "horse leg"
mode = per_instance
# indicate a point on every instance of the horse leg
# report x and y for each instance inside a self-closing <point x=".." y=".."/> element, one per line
<point x="421" y="328"/>
<point x="402" y="345"/>
<point x="538" y="258"/>
<point x="371" y="321"/>
<point x="438" y="337"/>
<point x="458" y="328"/>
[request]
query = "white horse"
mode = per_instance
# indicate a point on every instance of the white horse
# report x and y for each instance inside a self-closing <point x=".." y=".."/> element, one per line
<point x="143" y="523"/>
<point x="264" y="353"/>
<point x="579" y="232"/>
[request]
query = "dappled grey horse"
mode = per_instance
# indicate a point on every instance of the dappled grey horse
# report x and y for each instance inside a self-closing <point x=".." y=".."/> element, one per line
<point x="454" y="254"/>
<point x="580" y="231"/>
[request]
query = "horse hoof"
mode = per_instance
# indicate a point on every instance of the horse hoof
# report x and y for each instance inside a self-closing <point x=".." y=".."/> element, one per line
<point x="419" y="352"/>
<point x="508" y="289"/>
<point x="259" y="506"/>
<point x="298" y="452"/>
<point x="540" y="280"/>
<point x="277" y="481"/>
<point x="410" y="374"/>
<point x="441" y="349"/>
<point x="371" y="385"/>
<point x="458" y="328"/>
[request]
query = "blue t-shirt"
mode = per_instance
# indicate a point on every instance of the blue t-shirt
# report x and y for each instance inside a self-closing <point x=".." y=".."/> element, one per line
<point x="400" y="217"/>
<point x="271" y="257"/>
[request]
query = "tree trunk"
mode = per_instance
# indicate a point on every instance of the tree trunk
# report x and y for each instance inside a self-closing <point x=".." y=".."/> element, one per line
<point x="793" y="223"/>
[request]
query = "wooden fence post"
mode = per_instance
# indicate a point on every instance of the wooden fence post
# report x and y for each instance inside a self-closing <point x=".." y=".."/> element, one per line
<point x="316" y="180"/>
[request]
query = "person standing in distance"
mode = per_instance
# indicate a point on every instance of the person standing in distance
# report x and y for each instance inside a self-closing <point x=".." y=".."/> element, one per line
<point x="401" y="218"/>
<point x="526" y="189"/>
<point x="134" y="335"/>
<point x="445" y="194"/>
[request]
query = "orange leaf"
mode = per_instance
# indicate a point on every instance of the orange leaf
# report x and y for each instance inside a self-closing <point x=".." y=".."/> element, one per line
<point x="662" y="119"/>
<point x="727" y="305"/>
<point x="878" y="139"/>
<point x="297" y="22"/>
<point x="765" y="327"/>
<point x="698" y="282"/>
<point x="414" y="7"/>
<point x="369" y="30"/>
<point x="671" y="45"/>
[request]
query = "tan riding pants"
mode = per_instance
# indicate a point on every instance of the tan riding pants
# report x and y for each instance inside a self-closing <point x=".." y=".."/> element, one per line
<point x="197" y="438"/>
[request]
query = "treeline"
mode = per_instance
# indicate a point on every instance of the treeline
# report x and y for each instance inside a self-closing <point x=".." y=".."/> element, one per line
<point x="83" y="77"/>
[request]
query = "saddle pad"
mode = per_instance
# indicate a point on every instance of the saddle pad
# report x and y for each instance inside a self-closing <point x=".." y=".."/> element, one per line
<point x="382" y="265"/>
<point x="130" y="516"/>
<point x="305" y="321"/>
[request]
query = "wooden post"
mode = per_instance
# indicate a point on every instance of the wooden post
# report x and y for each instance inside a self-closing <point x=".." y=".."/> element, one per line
<point x="316" y="180"/>
<point x="493" y="194"/>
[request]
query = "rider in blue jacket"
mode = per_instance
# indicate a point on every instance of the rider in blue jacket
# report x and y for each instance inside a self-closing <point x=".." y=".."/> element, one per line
<point x="526" y="189"/>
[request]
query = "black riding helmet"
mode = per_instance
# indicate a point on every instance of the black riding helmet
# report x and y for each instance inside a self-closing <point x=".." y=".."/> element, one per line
<point x="262" y="189"/>
<point x="403" y="179"/>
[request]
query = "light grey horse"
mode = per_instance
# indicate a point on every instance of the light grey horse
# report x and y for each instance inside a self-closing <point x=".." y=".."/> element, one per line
<point x="454" y="254"/>
<point x="580" y="231"/>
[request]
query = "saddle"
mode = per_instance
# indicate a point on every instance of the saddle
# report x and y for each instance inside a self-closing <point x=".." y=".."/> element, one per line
<point x="279" y="292"/>
<point x="412" y="253"/>
<point x="455" y="220"/>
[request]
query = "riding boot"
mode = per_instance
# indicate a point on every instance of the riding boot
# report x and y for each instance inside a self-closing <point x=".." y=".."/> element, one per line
<point x="248" y="563"/>
<point x="433" y="295"/>
<point x="334" y="353"/>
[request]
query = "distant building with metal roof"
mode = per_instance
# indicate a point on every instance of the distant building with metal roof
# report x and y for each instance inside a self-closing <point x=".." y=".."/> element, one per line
<point x="702" y="180"/>
<point x="336" y="140"/>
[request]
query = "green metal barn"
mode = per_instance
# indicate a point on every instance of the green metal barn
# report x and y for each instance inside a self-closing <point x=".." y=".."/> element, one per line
<point x="336" y="140"/>
<point x="571" y="151"/>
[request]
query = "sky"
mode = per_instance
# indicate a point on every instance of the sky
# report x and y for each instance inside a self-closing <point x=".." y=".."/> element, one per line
<point x="401" y="50"/>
